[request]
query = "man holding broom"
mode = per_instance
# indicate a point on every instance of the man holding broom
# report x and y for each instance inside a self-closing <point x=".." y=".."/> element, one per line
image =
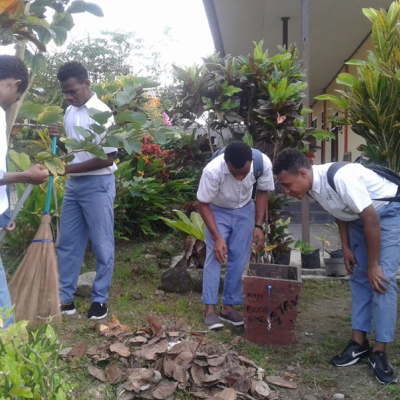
<point x="13" y="83"/>
<point x="87" y="209"/>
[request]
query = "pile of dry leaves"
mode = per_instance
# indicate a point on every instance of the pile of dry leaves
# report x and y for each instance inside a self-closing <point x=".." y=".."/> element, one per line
<point x="174" y="361"/>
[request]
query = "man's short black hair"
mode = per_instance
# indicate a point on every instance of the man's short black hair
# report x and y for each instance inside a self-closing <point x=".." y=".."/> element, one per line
<point x="290" y="160"/>
<point x="72" y="69"/>
<point x="14" y="68"/>
<point x="238" y="153"/>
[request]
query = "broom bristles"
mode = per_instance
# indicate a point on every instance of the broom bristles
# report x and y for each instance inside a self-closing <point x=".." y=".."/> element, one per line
<point x="34" y="286"/>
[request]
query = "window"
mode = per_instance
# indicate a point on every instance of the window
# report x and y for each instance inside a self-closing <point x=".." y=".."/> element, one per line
<point x="335" y="142"/>
<point x="323" y="120"/>
<point x="314" y="123"/>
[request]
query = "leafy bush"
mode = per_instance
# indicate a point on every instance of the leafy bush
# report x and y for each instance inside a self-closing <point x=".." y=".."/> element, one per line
<point x="29" y="364"/>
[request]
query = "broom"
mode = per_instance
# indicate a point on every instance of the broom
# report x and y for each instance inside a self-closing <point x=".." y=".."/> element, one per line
<point x="34" y="286"/>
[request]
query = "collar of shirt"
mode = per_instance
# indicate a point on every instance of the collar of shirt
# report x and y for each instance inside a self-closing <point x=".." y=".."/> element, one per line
<point x="316" y="185"/>
<point x="91" y="102"/>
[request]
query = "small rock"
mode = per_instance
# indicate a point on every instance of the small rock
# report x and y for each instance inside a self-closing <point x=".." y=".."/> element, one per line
<point x="290" y="368"/>
<point x="179" y="261"/>
<point x="196" y="275"/>
<point x="338" y="396"/>
<point x="310" y="397"/>
<point x="176" y="280"/>
<point x="160" y="292"/>
<point x="85" y="284"/>
<point x="150" y="257"/>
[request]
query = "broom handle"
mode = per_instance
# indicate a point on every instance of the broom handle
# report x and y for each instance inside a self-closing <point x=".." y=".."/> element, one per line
<point x="49" y="188"/>
<point x="17" y="209"/>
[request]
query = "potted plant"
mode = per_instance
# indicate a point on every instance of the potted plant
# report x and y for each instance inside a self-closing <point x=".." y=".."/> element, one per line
<point x="334" y="264"/>
<point x="309" y="255"/>
<point x="279" y="242"/>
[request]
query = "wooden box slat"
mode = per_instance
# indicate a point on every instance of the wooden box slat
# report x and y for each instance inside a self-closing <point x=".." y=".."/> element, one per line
<point x="284" y="299"/>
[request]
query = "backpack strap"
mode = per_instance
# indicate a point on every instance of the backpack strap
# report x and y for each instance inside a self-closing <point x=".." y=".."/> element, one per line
<point x="258" y="164"/>
<point x="332" y="171"/>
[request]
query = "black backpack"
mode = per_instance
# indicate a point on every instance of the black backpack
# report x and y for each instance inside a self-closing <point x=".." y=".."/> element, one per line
<point x="385" y="172"/>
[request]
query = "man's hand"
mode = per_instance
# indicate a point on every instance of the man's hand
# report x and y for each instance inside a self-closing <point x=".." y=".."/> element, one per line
<point x="36" y="175"/>
<point x="258" y="238"/>
<point x="376" y="279"/>
<point x="349" y="260"/>
<point x="54" y="131"/>
<point x="10" y="228"/>
<point x="220" y="250"/>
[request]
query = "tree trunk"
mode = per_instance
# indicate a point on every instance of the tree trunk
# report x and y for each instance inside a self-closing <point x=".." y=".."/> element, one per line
<point x="12" y="112"/>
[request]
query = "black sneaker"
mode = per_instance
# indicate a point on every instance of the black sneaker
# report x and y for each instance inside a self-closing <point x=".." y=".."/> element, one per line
<point x="68" y="309"/>
<point x="383" y="370"/>
<point x="351" y="355"/>
<point x="97" y="311"/>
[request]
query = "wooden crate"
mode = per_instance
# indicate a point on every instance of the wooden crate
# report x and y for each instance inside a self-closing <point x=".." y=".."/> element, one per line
<point x="270" y="322"/>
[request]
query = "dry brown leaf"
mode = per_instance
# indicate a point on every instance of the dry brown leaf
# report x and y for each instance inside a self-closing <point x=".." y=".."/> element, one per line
<point x="78" y="351"/>
<point x="184" y="345"/>
<point x="243" y="385"/>
<point x="237" y="370"/>
<point x="181" y="325"/>
<point x="214" y="362"/>
<point x="138" y="339"/>
<point x="188" y="246"/>
<point x="289" y="376"/>
<point x="278" y="381"/>
<point x="232" y="379"/>
<point x="155" y="325"/>
<point x="183" y="358"/>
<point x="215" y="370"/>
<point x="201" y="363"/>
<point x="97" y="373"/>
<point x="260" y="389"/>
<point x="169" y="367"/>
<point x="164" y="389"/>
<point x="97" y="349"/>
<point x="180" y="375"/>
<point x="120" y="349"/>
<point x="199" y="395"/>
<point x="173" y="334"/>
<point x="213" y="377"/>
<point x="227" y="394"/>
<point x="151" y="352"/>
<point x="139" y="379"/>
<point x="114" y="374"/>
<point x="246" y="361"/>
<point x="197" y="373"/>
<point x="236" y="340"/>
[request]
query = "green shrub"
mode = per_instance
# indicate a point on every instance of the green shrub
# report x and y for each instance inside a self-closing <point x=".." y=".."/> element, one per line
<point x="29" y="364"/>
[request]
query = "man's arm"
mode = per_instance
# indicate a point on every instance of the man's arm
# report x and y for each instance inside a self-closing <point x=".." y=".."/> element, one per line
<point x="35" y="175"/>
<point x="261" y="212"/>
<point x="90" y="165"/>
<point x="348" y="255"/>
<point x="220" y="247"/>
<point x="372" y="233"/>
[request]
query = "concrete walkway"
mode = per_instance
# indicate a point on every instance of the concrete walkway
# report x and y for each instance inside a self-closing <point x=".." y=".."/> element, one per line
<point x="317" y="230"/>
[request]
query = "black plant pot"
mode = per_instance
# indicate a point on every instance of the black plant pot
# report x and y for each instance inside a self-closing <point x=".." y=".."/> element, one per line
<point x="282" y="258"/>
<point x="311" y="260"/>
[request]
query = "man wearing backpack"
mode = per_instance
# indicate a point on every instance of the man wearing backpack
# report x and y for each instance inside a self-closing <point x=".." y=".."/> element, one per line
<point x="233" y="221"/>
<point x="370" y="234"/>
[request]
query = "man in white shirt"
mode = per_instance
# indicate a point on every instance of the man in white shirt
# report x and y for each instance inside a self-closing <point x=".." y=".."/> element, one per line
<point x="232" y="223"/>
<point x="13" y="83"/>
<point x="87" y="209"/>
<point x="370" y="235"/>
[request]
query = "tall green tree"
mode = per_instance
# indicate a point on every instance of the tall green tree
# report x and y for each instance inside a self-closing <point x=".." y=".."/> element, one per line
<point x="27" y="25"/>
<point x="372" y="98"/>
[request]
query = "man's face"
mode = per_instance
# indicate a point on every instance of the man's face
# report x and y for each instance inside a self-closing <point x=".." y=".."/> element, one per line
<point x="76" y="93"/>
<point x="295" y="185"/>
<point x="239" y="173"/>
<point x="9" y="92"/>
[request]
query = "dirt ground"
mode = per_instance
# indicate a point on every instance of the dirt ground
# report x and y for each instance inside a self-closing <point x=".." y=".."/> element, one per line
<point x="322" y="330"/>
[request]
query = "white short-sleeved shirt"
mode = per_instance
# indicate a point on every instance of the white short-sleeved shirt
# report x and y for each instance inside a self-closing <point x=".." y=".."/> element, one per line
<point x="219" y="187"/>
<point x="356" y="187"/>
<point x="78" y="116"/>
<point x="3" y="163"/>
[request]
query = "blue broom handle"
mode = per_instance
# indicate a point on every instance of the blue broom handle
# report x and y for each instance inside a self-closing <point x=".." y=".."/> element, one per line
<point x="50" y="187"/>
